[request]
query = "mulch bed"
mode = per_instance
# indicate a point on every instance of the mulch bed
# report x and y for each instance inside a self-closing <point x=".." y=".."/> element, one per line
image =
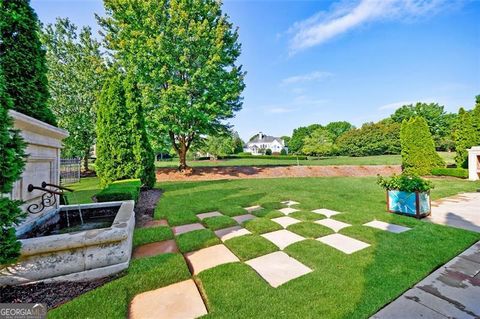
<point x="234" y="172"/>
<point x="51" y="294"/>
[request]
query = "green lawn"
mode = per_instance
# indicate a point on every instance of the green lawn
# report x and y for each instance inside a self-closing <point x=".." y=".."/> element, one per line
<point x="335" y="160"/>
<point x="340" y="286"/>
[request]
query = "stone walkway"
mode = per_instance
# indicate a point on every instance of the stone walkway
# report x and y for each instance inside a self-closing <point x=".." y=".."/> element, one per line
<point x="452" y="291"/>
<point x="461" y="211"/>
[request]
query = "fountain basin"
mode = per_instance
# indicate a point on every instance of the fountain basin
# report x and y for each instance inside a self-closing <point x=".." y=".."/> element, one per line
<point x="76" y="255"/>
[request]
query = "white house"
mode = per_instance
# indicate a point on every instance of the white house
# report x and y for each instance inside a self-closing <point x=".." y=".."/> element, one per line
<point x="262" y="142"/>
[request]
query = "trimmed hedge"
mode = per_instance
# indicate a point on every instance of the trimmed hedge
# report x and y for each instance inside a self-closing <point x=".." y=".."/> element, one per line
<point x="120" y="190"/>
<point x="454" y="172"/>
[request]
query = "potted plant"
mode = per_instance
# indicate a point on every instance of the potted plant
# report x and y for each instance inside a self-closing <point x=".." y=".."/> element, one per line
<point x="407" y="194"/>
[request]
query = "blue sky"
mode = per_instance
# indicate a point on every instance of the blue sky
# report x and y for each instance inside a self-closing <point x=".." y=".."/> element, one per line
<point x="321" y="61"/>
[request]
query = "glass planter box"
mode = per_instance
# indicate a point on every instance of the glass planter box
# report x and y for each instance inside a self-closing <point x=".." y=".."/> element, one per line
<point x="416" y="204"/>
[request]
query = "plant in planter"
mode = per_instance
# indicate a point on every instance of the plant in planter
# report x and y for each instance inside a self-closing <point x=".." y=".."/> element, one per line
<point x="407" y="194"/>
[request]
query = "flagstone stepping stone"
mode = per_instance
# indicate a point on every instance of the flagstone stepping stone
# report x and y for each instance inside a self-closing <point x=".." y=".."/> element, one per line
<point x="386" y="226"/>
<point x="209" y="257"/>
<point x="231" y="232"/>
<point x="343" y="243"/>
<point x="187" y="228"/>
<point x="242" y="218"/>
<point x="290" y="202"/>
<point x="180" y="301"/>
<point x="283" y="238"/>
<point x="286" y="221"/>
<point x="210" y="214"/>
<point x="288" y="210"/>
<point x="154" y="223"/>
<point x="278" y="268"/>
<point x="333" y="224"/>
<point x="253" y="208"/>
<point x="326" y="212"/>
<point x="153" y="249"/>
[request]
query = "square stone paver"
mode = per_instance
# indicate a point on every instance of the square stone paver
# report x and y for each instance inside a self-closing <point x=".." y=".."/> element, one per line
<point x="343" y="243"/>
<point x="326" y="212"/>
<point x="285" y="221"/>
<point x="283" y="238"/>
<point x="181" y="300"/>
<point x="209" y="257"/>
<point x="253" y="208"/>
<point x="332" y="224"/>
<point x="242" y="218"/>
<point x="153" y="223"/>
<point x="187" y="228"/>
<point x="231" y="232"/>
<point x="288" y="210"/>
<point x="153" y="249"/>
<point x="386" y="226"/>
<point x="290" y="202"/>
<point x="278" y="268"/>
<point x="210" y="214"/>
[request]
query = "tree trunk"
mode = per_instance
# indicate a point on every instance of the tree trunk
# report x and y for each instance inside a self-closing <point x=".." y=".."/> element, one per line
<point x="182" y="154"/>
<point x="85" y="161"/>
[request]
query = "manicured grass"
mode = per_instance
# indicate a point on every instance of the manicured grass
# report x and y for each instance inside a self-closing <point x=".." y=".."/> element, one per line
<point x="303" y="215"/>
<point x="310" y="230"/>
<point x="143" y="236"/>
<point x="83" y="190"/>
<point x="196" y="240"/>
<point x="267" y="213"/>
<point x="112" y="299"/>
<point x="219" y="222"/>
<point x="233" y="211"/>
<point x="250" y="246"/>
<point x="261" y="225"/>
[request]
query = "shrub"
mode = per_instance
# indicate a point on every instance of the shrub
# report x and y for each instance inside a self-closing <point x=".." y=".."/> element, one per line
<point x="405" y="183"/>
<point x="371" y="139"/>
<point x="11" y="166"/>
<point x="454" y="172"/>
<point x="418" y="148"/>
<point x="283" y="152"/>
<point x="268" y="152"/>
<point x="465" y="137"/>
<point x="120" y="190"/>
<point x="23" y="60"/>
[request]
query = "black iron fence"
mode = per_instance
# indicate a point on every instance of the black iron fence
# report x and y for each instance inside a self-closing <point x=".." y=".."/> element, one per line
<point x="69" y="170"/>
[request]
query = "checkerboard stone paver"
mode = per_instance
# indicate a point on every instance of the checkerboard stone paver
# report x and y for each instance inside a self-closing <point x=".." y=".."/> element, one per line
<point x="231" y="232"/>
<point x="153" y="249"/>
<point x="243" y="218"/>
<point x="285" y="221"/>
<point x="179" y="301"/>
<point x="343" y="243"/>
<point x="288" y="210"/>
<point x="283" y="238"/>
<point x="333" y="224"/>
<point x="326" y="212"/>
<point x="187" y="228"/>
<point x="290" y="202"/>
<point x="278" y="268"/>
<point x="210" y="214"/>
<point x="388" y="227"/>
<point x="210" y="257"/>
<point x="253" y="208"/>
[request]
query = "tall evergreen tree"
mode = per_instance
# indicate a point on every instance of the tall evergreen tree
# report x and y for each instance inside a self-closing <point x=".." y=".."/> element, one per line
<point x="123" y="150"/>
<point x="418" y="148"/>
<point x="465" y="136"/>
<point x="185" y="53"/>
<point x="23" y="60"/>
<point x="11" y="166"/>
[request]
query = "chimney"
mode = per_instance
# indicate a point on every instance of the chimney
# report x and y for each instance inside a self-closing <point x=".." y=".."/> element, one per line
<point x="260" y="135"/>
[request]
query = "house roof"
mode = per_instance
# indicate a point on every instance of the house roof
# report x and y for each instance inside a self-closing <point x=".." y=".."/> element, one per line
<point x="265" y="139"/>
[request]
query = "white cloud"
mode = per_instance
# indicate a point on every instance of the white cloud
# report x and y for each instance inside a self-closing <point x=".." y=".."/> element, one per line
<point x="346" y="16"/>
<point x="396" y="105"/>
<point x="313" y="76"/>
<point x="280" y="110"/>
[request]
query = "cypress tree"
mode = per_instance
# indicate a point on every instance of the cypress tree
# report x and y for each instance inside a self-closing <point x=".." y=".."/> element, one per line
<point x="465" y="136"/>
<point x="418" y="148"/>
<point x="11" y="166"/>
<point x="23" y="60"/>
<point x="123" y="150"/>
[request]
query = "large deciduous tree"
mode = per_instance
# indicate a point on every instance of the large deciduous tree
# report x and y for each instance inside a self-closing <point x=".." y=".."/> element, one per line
<point x="22" y="59"/>
<point x="75" y="76"/>
<point x="418" y="148"/>
<point x="184" y="53"/>
<point x="319" y="143"/>
<point x="339" y="128"/>
<point x="11" y="166"/>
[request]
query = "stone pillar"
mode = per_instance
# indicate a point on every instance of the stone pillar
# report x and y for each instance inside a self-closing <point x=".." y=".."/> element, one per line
<point x="44" y="142"/>
<point x="474" y="163"/>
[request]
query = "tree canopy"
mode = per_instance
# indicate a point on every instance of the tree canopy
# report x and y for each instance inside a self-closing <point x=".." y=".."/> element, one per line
<point x="319" y="143"/>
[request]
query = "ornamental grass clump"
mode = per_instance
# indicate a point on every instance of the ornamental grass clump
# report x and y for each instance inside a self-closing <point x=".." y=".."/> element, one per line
<point x="406" y="183"/>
